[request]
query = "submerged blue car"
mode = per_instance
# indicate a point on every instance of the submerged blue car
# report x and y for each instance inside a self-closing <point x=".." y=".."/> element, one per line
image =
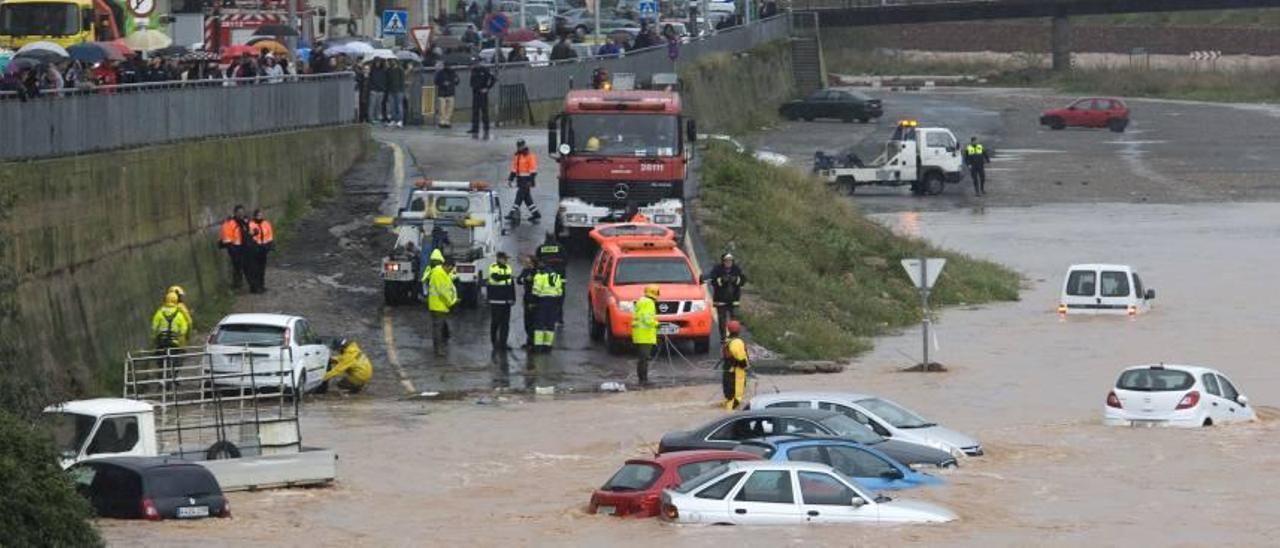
<point x="870" y="468"/>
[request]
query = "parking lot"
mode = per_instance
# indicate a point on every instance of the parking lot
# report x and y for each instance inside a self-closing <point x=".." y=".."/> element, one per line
<point x="1183" y="196"/>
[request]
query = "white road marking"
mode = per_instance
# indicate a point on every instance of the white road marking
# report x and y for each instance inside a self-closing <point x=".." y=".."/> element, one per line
<point x="388" y="328"/>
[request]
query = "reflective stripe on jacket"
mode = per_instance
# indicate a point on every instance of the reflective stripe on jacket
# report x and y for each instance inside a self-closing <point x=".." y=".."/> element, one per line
<point x="548" y="284"/>
<point x="524" y="164"/>
<point x="441" y="294"/>
<point x="500" y="284"/>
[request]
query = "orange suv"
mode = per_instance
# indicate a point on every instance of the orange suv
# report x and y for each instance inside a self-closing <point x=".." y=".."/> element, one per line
<point x="631" y="256"/>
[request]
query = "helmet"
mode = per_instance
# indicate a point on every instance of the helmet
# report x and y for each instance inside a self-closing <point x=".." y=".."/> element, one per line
<point x="177" y="289"/>
<point x="726" y="257"/>
<point x="170" y="298"/>
<point x="734" y="327"/>
<point x="593" y="144"/>
<point x="339" y="344"/>
<point x="437" y="256"/>
<point x="651" y="290"/>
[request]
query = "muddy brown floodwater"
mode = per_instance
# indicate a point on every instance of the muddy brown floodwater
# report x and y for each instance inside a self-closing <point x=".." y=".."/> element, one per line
<point x="505" y="471"/>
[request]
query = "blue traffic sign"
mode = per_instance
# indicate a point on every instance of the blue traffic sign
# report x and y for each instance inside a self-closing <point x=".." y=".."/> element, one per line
<point x="395" y="22"/>
<point x="648" y="6"/>
<point x="498" y="24"/>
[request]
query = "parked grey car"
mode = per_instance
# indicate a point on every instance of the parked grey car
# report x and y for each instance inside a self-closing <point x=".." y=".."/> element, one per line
<point x="728" y="431"/>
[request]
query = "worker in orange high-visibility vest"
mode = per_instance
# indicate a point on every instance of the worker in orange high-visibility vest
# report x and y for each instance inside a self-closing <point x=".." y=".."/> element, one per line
<point x="256" y="256"/>
<point x="232" y="237"/>
<point x="524" y="173"/>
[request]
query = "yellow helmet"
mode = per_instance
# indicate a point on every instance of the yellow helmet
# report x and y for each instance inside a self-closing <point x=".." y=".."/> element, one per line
<point x="177" y="290"/>
<point x="593" y="144"/>
<point x="170" y="299"/>
<point x="651" y="290"/>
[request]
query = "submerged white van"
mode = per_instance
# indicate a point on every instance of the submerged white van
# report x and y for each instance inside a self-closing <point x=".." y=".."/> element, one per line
<point x="1104" y="289"/>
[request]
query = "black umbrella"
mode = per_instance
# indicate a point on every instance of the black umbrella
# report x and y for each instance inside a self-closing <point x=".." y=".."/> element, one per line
<point x="275" y="30"/>
<point x="201" y="55"/>
<point x="171" y="51"/>
<point x="86" y="52"/>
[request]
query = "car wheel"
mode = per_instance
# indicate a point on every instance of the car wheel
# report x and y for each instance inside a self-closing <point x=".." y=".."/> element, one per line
<point x="1116" y="125"/>
<point x="597" y="330"/>
<point x="222" y="450"/>
<point x="846" y="181"/>
<point x="1056" y="123"/>
<point x="863" y="120"/>
<point x="808" y="118"/>
<point x="933" y="183"/>
<point x="1207" y="422"/>
<point x="847" y="119"/>
<point x="702" y="346"/>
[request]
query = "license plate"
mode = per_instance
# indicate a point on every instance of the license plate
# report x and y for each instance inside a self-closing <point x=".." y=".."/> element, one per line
<point x="1145" y="423"/>
<point x="193" y="512"/>
<point x="668" y="329"/>
<point x="607" y="510"/>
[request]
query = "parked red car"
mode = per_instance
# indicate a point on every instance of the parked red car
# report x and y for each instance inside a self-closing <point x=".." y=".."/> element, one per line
<point x="636" y="489"/>
<point x="1105" y="112"/>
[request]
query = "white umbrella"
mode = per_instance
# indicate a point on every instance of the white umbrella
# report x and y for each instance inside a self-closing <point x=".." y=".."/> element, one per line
<point x="147" y="40"/>
<point x="46" y="46"/>
<point x="355" y="49"/>
<point x="380" y="54"/>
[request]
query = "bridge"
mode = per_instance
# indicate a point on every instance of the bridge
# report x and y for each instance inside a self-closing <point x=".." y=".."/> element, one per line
<point x="853" y="13"/>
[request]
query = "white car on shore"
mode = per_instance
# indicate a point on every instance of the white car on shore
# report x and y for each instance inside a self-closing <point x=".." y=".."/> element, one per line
<point x="786" y="493"/>
<point x="885" y="417"/>
<point x="275" y="351"/>
<point x="1175" y="395"/>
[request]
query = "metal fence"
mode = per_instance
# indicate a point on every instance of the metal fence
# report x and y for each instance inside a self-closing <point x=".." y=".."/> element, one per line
<point x="148" y="114"/>
<point x="550" y="81"/>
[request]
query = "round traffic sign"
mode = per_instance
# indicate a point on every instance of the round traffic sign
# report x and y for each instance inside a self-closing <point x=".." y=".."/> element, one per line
<point x="498" y="23"/>
<point x="141" y="8"/>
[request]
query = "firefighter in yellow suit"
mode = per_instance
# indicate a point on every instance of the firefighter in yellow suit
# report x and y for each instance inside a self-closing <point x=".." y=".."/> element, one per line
<point x="644" y="330"/>
<point x="352" y="365"/>
<point x="736" y="362"/>
<point x="169" y="325"/>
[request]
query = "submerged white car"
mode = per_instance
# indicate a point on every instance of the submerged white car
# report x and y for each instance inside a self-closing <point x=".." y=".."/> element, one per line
<point x="1093" y="289"/>
<point x="1175" y="395"/>
<point x="885" y="417"/>
<point x="785" y="493"/>
<point x="276" y="351"/>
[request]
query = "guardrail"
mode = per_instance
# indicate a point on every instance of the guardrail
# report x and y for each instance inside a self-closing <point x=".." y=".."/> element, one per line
<point x="106" y="118"/>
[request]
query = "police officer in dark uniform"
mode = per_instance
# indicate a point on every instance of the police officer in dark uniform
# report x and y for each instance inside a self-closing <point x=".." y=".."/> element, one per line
<point x="976" y="157"/>
<point x="482" y="80"/>
<point x="726" y="281"/>
<point x="501" y="292"/>
<point x="530" y="301"/>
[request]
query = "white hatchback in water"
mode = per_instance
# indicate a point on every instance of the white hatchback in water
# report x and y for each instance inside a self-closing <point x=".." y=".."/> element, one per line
<point x="1104" y="289"/>
<point x="1175" y="395"/>
<point x="786" y="493"/>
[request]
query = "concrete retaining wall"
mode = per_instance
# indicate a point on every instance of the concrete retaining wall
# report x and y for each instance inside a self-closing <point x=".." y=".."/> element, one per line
<point x="1034" y="37"/>
<point x="91" y="242"/>
<point x="736" y="93"/>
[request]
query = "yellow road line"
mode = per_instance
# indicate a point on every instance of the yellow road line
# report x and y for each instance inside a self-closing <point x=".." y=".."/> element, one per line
<point x="388" y="328"/>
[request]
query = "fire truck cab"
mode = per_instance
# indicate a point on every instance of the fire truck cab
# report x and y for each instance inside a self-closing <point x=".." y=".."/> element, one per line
<point x="635" y="255"/>
<point x="620" y="150"/>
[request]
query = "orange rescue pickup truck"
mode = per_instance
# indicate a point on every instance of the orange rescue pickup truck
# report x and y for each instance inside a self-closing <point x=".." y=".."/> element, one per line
<point x="632" y="256"/>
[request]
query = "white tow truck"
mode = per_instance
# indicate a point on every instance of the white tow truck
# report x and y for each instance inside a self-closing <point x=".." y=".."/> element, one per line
<point x="176" y="404"/>
<point x="924" y="157"/>
<point x="462" y="218"/>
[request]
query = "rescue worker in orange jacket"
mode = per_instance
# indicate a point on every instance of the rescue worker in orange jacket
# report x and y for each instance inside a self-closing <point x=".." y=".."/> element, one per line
<point x="256" y="257"/>
<point x="524" y="173"/>
<point x="735" y="362"/>
<point x="232" y="237"/>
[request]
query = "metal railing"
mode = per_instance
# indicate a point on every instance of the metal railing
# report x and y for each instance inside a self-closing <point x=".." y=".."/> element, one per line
<point x="545" y="81"/>
<point x="112" y="117"/>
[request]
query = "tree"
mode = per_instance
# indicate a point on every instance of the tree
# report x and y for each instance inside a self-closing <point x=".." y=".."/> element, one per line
<point x="40" y="506"/>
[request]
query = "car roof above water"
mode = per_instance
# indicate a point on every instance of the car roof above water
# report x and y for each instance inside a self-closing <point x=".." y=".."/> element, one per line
<point x="808" y="395"/>
<point x="1196" y="370"/>
<point x="273" y="320"/>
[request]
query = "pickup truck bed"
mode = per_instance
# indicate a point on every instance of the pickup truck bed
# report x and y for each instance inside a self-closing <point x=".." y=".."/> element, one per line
<point x="307" y="467"/>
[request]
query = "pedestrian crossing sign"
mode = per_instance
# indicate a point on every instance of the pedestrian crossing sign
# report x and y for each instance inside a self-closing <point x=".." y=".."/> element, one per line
<point x="395" y="22"/>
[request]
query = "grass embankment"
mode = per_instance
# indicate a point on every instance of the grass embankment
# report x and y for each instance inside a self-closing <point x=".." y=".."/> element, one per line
<point x="1246" y="85"/>
<point x="823" y="278"/>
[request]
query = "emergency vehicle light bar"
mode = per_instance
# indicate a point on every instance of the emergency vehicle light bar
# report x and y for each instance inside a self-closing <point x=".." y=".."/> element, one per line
<point x="615" y="104"/>
<point x="423" y="184"/>
<point x="647" y="244"/>
<point x="908" y="123"/>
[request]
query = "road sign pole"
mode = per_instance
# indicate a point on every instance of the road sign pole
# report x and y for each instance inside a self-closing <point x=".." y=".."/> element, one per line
<point x="292" y="40"/>
<point x="924" y="306"/>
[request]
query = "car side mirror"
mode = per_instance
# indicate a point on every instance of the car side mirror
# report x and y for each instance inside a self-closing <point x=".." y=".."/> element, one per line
<point x="1242" y="400"/>
<point x="892" y="474"/>
<point x="1151" y="294"/>
<point x="858" y="502"/>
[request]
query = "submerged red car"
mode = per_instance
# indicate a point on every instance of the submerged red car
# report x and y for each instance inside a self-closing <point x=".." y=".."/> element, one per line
<point x="1099" y="112"/>
<point x="636" y="489"/>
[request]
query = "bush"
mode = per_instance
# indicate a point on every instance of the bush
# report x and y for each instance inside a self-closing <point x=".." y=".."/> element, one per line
<point x="39" y="505"/>
<point x="822" y="277"/>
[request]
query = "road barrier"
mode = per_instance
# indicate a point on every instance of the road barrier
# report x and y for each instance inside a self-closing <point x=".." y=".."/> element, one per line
<point x="135" y="115"/>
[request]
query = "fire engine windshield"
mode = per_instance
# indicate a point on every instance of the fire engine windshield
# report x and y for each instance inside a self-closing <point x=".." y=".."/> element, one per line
<point x="653" y="270"/>
<point x="39" y="19"/>
<point x="625" y="135"/>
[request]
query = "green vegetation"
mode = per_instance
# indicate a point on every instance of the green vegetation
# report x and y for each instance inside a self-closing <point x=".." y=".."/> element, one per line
<point x="824" y="278"/>
<point x="40" y="506"/>
<point x="755" y="81"/>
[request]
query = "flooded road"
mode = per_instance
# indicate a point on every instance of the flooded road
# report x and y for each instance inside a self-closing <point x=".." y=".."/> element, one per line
<point x="505" y="470"/>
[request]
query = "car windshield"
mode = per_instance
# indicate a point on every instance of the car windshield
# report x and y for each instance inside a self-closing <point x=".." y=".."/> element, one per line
<point x="848" y="428"/>
<point x="180" y="481"/>
<point x="653" y="270"/>
<point x="625" y="134"/>
<point x="1155" y="380"/>
<point x="633" y="477"/>
<point x="70" y="430"/>
<point x="701" y="479"/>
<point x="893" y="414"/>
<point x="249" y="335"/>
<point x="39" y="19"/>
